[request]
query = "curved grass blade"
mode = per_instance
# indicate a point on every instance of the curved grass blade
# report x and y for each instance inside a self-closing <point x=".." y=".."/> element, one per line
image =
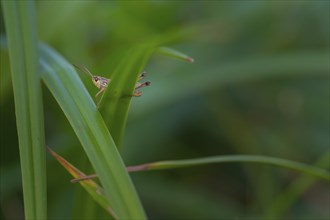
<point x="118" y="95"/>
<point x="121" y="90"/>
<point x="24" y="60"/>
<point x="89" y="185"/>
<point x="123" y="81"/>
<point x="200" y="80"/>
<point x="79" y="108"/>
<point x="166" y="51"/>
<point x="173" y="164"/>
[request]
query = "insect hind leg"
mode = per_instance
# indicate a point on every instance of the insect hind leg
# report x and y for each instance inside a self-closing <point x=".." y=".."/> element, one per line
<point x="99" y="92"/>
<point x="141" y="85"/>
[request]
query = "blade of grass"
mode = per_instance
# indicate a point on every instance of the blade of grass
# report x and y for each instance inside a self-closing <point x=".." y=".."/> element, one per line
<point x="175" y="54"/>
<point x="84" y="207"/>
<point x="124" y="78"/>
<point x="123" y="81"/>
<point x="76" y="103"/>
<point x="24" y="60"/>
<point x="199" y="79"/>
<point x="122" y="88"/>
<point x="89" y="185"/>
<point x="173" y="164"/>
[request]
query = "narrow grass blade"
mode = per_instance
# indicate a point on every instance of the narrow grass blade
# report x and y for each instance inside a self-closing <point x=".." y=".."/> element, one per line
<point x="173" y="164"/>
<point x="123" y="81"/>
<point x="84" y="206"/>
<point x="89" y="185"/>
<point x="118" y="97"/>
<point x="199" y="79"/>
<point x="170" y="52"/>
<point x="24" y="60"/>
<point x="81" y="178"/>
<point x="79" y="108"/>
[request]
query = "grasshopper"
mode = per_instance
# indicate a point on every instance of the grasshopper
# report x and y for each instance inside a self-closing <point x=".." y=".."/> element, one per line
<point x="102" y="83"/>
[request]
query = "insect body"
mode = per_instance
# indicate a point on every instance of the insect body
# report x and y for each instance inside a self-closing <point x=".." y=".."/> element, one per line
<point x="102" y="83"/>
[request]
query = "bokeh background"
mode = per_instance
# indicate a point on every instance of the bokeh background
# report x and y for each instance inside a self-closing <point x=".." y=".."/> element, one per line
<point x="259" y="85"/>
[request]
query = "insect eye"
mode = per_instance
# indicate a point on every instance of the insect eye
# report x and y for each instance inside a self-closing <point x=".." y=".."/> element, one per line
<point x="96" y="79"/>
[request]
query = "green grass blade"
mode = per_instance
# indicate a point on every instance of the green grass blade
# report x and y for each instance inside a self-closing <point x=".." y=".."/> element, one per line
<point x="173" y="164"/>
<point x="24" y="60"/>
<point x="89" y="185"/>
<point x="170" y="52"/>
<point x="84" y="206"/>
<point x="199" y="79"/>
<point x="118" y="97"/>
<point x="79" y="108"/>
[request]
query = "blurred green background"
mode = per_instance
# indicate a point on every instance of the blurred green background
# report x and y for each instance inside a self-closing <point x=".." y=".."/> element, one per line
<point x="259" y="85"/>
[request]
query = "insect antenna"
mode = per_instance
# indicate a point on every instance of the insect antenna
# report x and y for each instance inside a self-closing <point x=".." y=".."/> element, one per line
<point x="83" y="69"/>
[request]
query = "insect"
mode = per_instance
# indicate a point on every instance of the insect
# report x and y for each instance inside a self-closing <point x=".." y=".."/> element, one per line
<point x="102" y="83"/>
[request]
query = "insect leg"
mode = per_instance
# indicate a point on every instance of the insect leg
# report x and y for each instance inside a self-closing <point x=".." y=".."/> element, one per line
<point x="141" y="85"/>
<point x="99" y="92"/>
<point x="142" y="75"/>
<point x="137" y="93"/>
<point x="99" y="99"/>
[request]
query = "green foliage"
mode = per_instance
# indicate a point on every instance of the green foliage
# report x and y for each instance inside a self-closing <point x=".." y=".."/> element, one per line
<point x="24" y="58"/>
<point x="258" y="86"/>
<point x="63" y="82"/>
<point x="175" y="54"/>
